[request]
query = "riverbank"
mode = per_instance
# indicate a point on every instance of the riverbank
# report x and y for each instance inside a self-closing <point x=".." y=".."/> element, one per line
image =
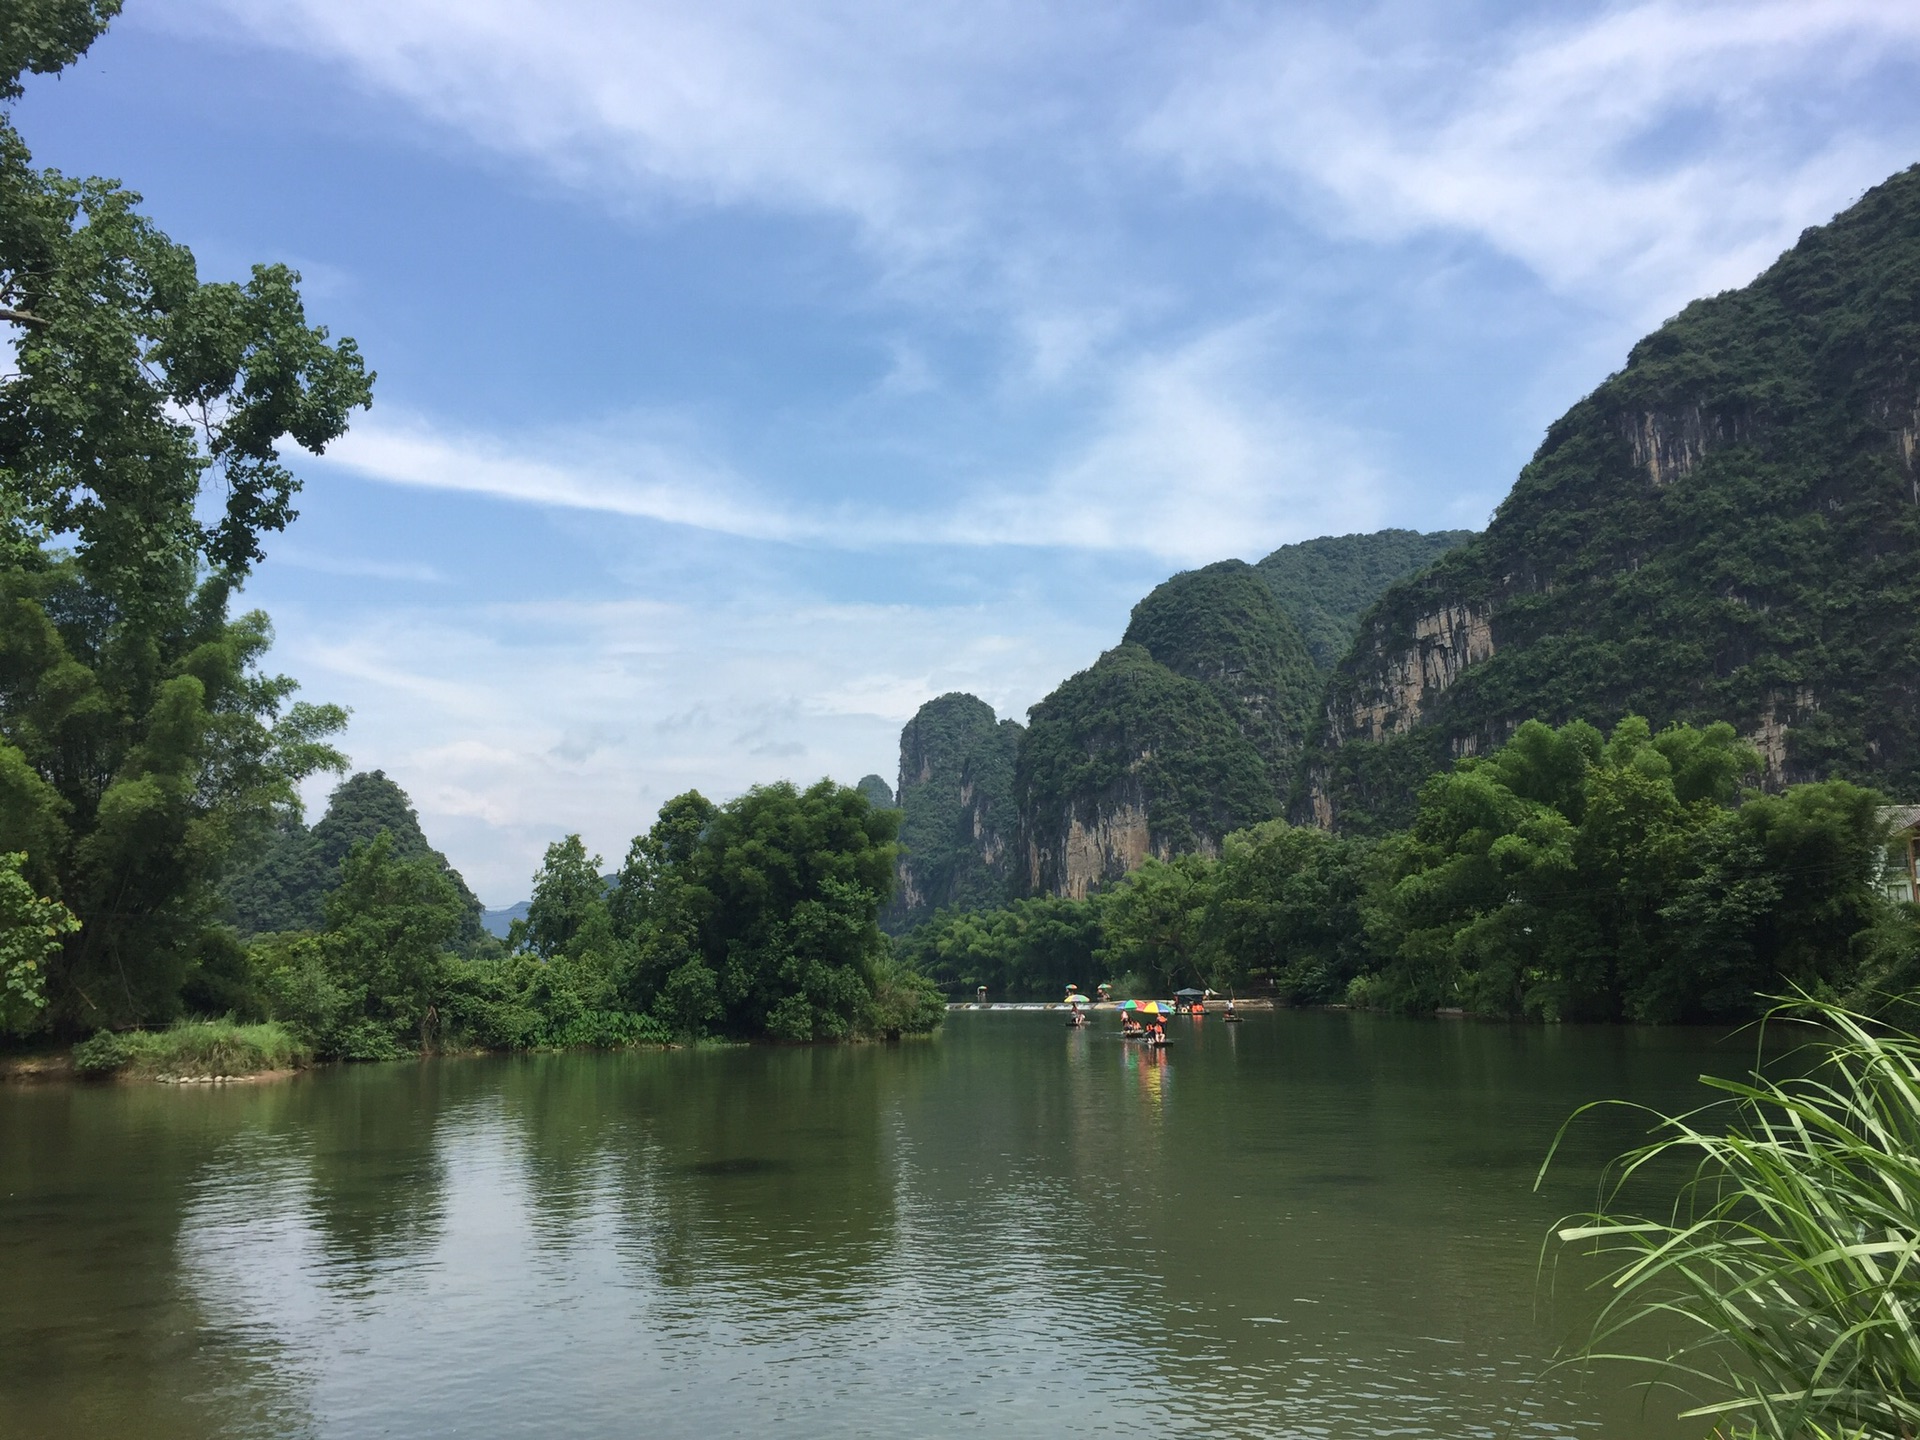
<point x="190" y="1052"/>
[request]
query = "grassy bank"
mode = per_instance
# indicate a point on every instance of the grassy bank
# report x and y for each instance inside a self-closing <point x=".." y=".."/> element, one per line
<point x="191" y="1050"/>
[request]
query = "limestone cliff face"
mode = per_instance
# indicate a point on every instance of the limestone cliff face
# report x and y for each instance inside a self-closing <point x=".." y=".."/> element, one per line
<point x="956" y="781"/>
<point x="1670" y="445"/>
<point x="1128" y="759"/>
<point x="1407" y="682"/>
<point x="1095" y="840"/>
<point x="1727" y="529"/>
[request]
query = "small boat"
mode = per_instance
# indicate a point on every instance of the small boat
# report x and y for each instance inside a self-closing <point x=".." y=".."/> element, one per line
<point x="1230" y="1018"/>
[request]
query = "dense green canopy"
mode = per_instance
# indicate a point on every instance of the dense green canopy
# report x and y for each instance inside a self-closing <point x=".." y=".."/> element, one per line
<point x="139" y="467"/>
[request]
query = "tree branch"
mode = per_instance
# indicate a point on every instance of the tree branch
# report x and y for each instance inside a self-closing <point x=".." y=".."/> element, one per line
<point x="21" y="317"/>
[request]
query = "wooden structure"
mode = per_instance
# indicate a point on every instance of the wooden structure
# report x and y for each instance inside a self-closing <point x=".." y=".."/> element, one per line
<point x="1901" y="876"/>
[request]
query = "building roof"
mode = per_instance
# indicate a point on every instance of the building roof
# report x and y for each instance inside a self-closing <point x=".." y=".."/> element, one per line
<point x="1900" y="817"/>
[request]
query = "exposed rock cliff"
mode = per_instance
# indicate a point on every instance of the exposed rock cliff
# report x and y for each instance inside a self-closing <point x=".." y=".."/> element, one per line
<point x="1128" y="759"/>
<point x="958" y="820"/>
<point x="1728" y="528"/>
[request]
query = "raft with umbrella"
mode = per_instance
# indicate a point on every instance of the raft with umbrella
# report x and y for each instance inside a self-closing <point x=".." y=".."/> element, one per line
<point x="1152" y="1010"/>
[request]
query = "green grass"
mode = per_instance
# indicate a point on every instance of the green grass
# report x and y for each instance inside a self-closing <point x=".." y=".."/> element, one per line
<point x="1791" y="1258"/>
<point x="191" y="1049"/>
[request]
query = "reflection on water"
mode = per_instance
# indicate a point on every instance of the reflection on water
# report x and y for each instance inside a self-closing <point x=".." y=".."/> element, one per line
<point x="1304" y="1225"/>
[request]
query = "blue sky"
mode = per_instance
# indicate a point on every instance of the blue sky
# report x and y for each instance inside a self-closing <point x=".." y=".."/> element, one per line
<point x="750" y="373"/>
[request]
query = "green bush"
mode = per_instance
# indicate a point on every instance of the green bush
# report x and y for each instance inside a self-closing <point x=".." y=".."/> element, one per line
<point x="105" y="1053"/>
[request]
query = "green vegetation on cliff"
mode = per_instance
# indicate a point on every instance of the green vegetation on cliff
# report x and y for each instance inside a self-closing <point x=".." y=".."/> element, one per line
<point x="1327" y="584"/>
<point x="1221" y="626"/>
<point x="957" y="819"/>
<point x="1568" y="875"/>
<point x="1129" y="735"/>
<point x="1727" y="529"/>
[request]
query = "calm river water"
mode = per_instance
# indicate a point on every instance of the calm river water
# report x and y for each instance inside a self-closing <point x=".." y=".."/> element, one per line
<point x="1310" y="1224"/>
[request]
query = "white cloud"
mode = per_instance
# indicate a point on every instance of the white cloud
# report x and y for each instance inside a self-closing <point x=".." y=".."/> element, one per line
<point x="1641" y="156"/>
<point x="356" y="567"/>
<point x="1192" y="462"/>
<point x="851" y="109"/>
<point x="1188" y="459"/>
<point x="646" y="478"/>
<point x="986" y="139"/>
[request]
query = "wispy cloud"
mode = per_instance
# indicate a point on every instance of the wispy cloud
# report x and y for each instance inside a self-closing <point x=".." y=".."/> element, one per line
<point x="1193" y="462"/>
<point x="641" y="477"/>
<point x="355" y="567"/>
<point x="1660" y="145"/>
<point x="986" y="141"/>
<point x="1188" y="459"/>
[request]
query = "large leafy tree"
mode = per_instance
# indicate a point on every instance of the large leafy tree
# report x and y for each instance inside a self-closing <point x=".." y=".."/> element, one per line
<point x="141" y="421"/>
<point x="1287" y="900"/>
<point x="1577" y="876"/>
<point x="761" y="915"/>
<point x="1156" y="922"/>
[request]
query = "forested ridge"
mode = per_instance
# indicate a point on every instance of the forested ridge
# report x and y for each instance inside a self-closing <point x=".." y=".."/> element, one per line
<point x="1726" y="529"/>
<point x="1191" y="727"/>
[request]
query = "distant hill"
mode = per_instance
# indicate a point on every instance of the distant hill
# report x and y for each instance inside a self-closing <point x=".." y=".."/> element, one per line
<point x="879" y="794"/>
<point x="1326" y="585"/>
<point x="496" y="922"/>
<point x="286" y="885"/>
<point x="956" y="797"/>
<point x="1726" y="529"/>
<point x="1192" y="726"/>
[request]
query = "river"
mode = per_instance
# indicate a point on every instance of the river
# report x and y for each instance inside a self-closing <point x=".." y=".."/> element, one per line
<point x="1308" y="1224"/>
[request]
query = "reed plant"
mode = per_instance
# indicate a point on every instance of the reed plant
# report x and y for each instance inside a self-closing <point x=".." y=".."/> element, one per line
<point x="1790" y="1260"/>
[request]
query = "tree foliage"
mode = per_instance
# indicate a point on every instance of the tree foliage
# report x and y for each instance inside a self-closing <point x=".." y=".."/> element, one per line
<point x="1566" y="875"/>
<point x="1576" y="876"/>
<point x="30" y="931"/>
<point x="139" y="467"/>
<point x="1027" y="950"/>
